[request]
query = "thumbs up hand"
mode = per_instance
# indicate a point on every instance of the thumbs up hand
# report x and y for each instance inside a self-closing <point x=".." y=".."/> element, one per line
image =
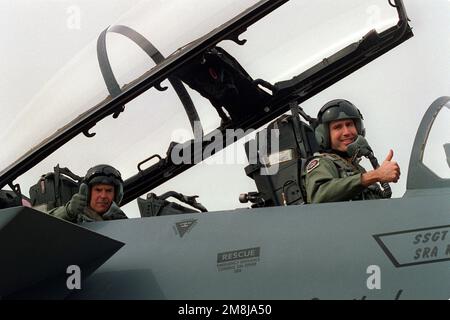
<point x="389" y="171"/>
<point x="390" y="155"/>
<point x="78" y="202"/>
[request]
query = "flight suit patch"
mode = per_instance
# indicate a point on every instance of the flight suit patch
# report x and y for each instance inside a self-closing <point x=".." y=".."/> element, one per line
<point x="312" y="165"/>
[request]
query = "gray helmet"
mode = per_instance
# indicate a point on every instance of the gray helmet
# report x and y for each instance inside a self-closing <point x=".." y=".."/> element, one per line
<point x="105" y="174"/>
<point x="338" y="109"/>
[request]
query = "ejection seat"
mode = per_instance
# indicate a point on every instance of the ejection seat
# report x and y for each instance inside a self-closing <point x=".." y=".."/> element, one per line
<point x="54" y="189"/>
<point x="277" y="167"/>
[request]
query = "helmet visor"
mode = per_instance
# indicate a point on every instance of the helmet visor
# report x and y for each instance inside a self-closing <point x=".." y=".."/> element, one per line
<point x="339" y="111"/>
<point x="103" y="174"/>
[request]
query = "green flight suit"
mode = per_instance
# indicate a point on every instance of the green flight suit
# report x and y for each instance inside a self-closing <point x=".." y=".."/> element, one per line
<point x="89" y="215"/>
<point x="331" y="178"/>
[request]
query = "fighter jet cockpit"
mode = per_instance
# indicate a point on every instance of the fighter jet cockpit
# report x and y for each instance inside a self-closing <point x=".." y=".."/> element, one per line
<point x="157" y="96"/>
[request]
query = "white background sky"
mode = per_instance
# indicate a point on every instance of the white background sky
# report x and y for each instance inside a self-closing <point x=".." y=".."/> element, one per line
<point x="393" y="92"/>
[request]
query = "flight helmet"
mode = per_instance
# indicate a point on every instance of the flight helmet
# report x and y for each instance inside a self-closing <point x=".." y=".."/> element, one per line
<point x="105" y="174"/>
<point x="337" y="109"/>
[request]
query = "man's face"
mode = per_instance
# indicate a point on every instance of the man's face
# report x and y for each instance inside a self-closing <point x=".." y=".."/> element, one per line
<point x="102" y="196"/>
<point x="342" y="133"/>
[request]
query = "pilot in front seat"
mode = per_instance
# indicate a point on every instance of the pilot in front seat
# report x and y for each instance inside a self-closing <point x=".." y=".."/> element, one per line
<point x="100" y="193"/>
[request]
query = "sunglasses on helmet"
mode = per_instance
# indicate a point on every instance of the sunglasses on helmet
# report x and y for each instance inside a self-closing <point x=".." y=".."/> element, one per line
<point x="339" y="111"/>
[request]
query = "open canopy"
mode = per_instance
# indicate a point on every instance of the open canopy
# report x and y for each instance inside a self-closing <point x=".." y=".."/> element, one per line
<point x="136" y="54"/>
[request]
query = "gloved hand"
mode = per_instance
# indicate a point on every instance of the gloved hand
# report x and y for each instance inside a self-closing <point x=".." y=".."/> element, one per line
<point x="78" y="202"/>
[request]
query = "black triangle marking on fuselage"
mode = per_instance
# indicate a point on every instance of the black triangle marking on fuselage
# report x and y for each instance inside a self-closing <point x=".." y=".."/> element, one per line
<point x="185" y="226"/>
